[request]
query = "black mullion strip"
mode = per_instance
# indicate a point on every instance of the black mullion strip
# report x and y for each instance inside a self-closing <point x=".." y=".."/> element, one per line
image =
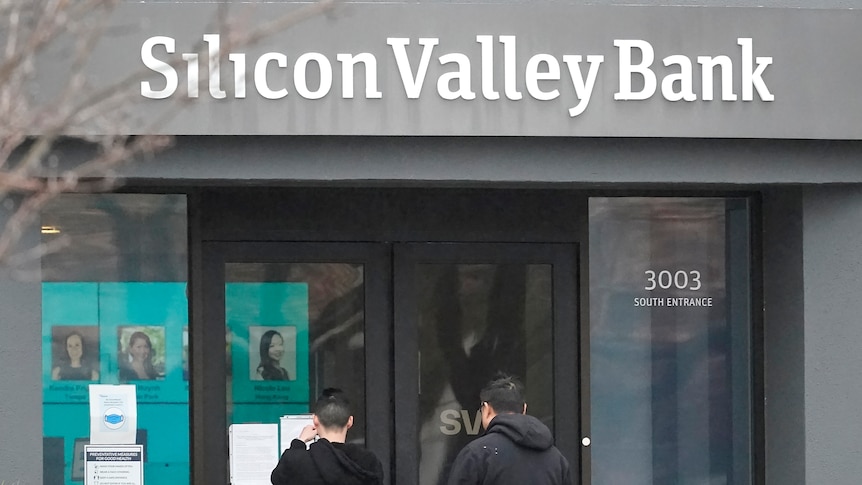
<point x="406" y="372"/>
<point x="195" y="292"/>
<point x="584" y="331"/>
<point x="758" y="384"/>
<point x="210" y="385"/>
<point x="378" y="348"/>
<point x="565" y="344"/>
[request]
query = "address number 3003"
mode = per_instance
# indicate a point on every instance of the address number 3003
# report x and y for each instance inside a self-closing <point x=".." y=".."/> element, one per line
<point x="665" y="280"/>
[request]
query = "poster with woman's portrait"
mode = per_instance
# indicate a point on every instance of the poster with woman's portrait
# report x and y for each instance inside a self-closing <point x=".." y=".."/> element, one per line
<point x="75" y="353"/>
<point x="267" y="339"/>
<point x="141" y="353"/>
<point x="272" y="353"/>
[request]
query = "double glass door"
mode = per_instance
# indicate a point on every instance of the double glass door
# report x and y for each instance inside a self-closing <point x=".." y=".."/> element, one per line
<point x="410" y="331"/>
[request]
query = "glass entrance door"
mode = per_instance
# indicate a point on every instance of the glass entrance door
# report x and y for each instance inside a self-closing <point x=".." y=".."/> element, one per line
<point x="292" y="319"/>
<point x="463" y="313"/>
<point x="410" y="331"/>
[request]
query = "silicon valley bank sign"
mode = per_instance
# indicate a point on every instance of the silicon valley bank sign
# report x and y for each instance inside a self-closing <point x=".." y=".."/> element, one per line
<point x="309" y="75"/>
<point x="479" y="69"/>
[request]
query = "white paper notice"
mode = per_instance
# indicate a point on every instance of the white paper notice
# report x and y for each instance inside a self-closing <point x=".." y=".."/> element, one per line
<point x="113" y="414"/>
<point x="114" y="465"/>
<point x="291" y="426"/>
<point x="253" y="453"/>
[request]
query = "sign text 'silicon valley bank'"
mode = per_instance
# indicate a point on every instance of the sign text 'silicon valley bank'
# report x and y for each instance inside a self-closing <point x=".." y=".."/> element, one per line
<point x="543" y="76"/>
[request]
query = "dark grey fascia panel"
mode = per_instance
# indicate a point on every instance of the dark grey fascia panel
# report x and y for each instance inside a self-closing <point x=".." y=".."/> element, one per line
<point x="497" y="161"/>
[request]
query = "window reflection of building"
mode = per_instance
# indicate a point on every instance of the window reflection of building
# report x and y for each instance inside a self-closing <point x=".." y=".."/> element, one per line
<point x="118" y="237"/>
<point x="336" y="294"/>
<point x="336" y="314"/>
<point x="661" y="391"/>
<point x="476" y="320"/>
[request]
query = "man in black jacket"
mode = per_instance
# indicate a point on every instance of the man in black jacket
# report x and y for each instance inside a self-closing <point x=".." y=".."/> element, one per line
<point x="516" y="449"/>
<point x="329" y="460"/>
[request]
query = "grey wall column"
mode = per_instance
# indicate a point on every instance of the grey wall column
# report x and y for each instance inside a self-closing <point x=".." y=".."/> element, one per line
<point x="784" y="337"/>
<point x="21" y="378"/>
<point x="833" y="331"/>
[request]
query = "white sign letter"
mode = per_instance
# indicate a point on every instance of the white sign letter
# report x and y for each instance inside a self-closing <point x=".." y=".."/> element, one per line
<point x="413" y="86"/>
<point x="348" y="65"/>
<point x="707" y="66"/>
<point x="238" y="74"/>
<point x="192" y="80"/>
<point x="487" y="67"/>
<point x="300" y="75"/>
<point x="509" y="64"/>
<point x="461" y="76"/>
<point x="214" y="49"/>
<point x="684" y="76"/>
<point x="533" y="76"/>
<point x="583" y="90"/>
<point x="751" y="78"/>
<point x="161" y="67"/>
<point x="627" y="69"/>
<point x="260" y="75"/>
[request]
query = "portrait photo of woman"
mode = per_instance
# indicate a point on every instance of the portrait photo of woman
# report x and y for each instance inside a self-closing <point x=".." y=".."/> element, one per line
<point x="75" y="361"/>
<point x="139" y="359"/>
<point x="276" y="346"/>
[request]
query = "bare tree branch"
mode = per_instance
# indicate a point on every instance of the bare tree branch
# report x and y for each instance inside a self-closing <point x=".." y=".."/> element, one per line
<point x="30" y="174"/>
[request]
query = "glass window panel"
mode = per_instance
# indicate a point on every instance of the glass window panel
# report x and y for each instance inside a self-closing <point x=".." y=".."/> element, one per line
<point x="476" y="320"/>
<point x="670" y="341"/>
<point x="294" y="329"/>
<point x="114" y="310"/>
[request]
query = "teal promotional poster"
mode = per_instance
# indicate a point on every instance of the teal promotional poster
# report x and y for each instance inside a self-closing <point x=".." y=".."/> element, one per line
<point x="267" y="325"/>
<point x="87" y="331"/>
<point x="137" y="333"/>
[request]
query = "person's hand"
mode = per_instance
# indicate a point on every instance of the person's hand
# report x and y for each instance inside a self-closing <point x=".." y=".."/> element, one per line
<point x="308" y="433"/>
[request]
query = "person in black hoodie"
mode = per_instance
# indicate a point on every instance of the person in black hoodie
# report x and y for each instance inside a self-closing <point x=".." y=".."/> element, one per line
<point x="516" y="448"/>
<point x="329" y="460"/>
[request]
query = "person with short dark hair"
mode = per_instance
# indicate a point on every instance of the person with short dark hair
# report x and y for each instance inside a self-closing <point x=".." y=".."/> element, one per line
<point x="328" y="460"/>
<point x="516" y="449"/>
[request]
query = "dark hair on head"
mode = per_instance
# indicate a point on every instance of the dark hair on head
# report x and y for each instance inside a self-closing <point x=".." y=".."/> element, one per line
<point x="504" y="393"/>
<point x="333" y="408"/>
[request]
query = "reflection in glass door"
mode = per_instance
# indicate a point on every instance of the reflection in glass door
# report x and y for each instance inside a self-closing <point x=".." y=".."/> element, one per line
<point x="292" y="330"/>
<point x="471" y="311"/>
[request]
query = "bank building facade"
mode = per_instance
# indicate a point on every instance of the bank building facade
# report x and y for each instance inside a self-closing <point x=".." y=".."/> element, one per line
<point x="650" y="214"/>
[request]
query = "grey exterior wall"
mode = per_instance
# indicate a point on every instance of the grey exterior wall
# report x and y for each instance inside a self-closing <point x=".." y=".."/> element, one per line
<point x="21" y="378"/>
<point x="833" y="334"/>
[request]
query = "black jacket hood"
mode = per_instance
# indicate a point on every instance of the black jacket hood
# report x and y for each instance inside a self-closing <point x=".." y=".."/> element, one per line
<point x="524" y="430"/>
<point x="345" y="464"/>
